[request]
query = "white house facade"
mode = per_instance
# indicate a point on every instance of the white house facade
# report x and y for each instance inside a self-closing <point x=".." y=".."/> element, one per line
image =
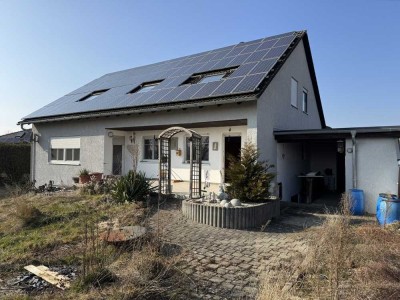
<point x="263" y="91"/>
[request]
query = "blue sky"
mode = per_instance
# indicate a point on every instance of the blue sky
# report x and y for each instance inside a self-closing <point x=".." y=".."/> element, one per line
<point x="49" y="48"/>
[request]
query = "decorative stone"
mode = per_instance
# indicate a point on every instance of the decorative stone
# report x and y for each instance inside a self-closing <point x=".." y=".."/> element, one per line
<point x="223" y="202"/>
<point x="228" y="204"/>
<point x="236" y="202"/>
<point x="222" y="195"/>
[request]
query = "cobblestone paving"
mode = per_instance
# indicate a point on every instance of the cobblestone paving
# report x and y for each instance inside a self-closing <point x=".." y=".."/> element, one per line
<point x="227" y="263"/>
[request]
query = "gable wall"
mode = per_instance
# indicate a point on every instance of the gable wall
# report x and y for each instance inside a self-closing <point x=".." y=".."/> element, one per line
<point x="274" y="112"/>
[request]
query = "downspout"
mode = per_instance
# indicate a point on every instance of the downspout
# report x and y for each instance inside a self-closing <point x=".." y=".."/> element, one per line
<point x="354" y="162"/>
<point x="33" y="152"/>
<point x="398" y="165"/>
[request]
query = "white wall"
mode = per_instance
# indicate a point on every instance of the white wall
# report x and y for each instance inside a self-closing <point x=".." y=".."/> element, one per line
<point x="377" y="170"/>
<point x="290" y="164"/>
<point x="180" y="169"/>
<point x="96" y="145"/>
<point x="274" y="112"/>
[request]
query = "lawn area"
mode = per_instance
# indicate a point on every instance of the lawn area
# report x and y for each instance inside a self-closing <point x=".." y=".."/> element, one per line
<point x="61" y="230"/>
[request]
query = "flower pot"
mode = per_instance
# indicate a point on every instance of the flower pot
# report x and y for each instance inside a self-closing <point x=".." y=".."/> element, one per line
<point x="84" y="179"/>
<point x="96" y="176"/>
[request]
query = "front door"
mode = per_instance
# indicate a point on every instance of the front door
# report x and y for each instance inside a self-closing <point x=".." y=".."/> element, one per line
<point x="117" y="160"/>
<point x="232" y="149"/>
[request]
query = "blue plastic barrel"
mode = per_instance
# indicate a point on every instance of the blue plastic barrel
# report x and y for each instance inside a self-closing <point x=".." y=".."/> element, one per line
<point x="387" y="209"/>
<point x="357" y="202"/>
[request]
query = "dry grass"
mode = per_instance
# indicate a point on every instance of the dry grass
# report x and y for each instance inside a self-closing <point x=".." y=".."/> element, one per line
<point x="67" y="234"/>
<point x="344" y="261"/>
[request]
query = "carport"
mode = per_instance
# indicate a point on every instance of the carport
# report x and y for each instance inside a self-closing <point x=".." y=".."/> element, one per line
<point x="336" y="160"/>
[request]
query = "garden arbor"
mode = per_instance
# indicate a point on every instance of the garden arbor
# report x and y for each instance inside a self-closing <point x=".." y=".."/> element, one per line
<point x="195" y="149"/>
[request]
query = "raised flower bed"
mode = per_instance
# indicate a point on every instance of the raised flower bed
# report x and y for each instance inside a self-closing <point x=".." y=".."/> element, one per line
<point x="239" y="217"/>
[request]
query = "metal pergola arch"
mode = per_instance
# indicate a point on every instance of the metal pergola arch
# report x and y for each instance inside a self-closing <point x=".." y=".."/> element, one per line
<point x="195" y="149"/>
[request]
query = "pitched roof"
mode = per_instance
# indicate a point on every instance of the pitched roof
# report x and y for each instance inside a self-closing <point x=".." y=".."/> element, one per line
<point x="16" y="137"/>
<point x="253" y="64"/>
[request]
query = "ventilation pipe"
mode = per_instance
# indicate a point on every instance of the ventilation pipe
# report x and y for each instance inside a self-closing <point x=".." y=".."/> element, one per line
<point x="354" y="161"/>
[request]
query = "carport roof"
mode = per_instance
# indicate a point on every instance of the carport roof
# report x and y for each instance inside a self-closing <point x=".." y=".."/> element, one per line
<point x="283" y="136"/>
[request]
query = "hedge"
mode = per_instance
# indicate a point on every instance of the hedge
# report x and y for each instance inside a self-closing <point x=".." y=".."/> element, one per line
<point x="15" y="161"/>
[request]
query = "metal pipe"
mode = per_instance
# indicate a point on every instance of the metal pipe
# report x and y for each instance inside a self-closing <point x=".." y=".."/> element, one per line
<point x="33" y="151"/>
<point x="354" y="157"/>
<point x="398" y="165"/>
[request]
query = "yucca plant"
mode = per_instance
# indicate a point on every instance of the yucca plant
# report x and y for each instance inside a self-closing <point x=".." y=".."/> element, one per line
<point x="249" y="178"/>
<point x="131" y="187"/>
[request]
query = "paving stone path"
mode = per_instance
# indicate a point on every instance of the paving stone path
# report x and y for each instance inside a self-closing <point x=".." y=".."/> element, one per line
<point x="227" y="263"/>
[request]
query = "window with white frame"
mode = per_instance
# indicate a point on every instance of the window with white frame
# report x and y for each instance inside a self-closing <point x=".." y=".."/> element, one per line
<point x="293" y="92"/>
<point x="65" y="150"/>
<point x="205" y="144"/>
<point x="150" y="148"/>
<point x="305" y="101"/>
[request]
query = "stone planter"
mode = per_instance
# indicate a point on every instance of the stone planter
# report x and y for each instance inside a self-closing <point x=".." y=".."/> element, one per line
<point x="243" y="217"/>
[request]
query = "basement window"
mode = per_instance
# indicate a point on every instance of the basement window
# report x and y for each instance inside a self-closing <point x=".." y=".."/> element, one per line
<point x="145" y="87"/>
<point x="92" y="95"/>
<point x="209" y="76"/>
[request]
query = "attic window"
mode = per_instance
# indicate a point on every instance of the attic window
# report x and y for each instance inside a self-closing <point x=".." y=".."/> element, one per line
<point x="145" y="87"/>
<point x="209" y="76"/>
<point x="92" y="95"/>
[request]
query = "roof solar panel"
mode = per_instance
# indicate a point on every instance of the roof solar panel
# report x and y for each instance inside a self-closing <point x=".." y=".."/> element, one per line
<point x="207" y="66"/>
<point x="252" y="58"/>
<point x="189" y="92"/>
<point x="207" y="57"/>
<point x="235" y="51"/>
<point x="173" y="94"/>
<point x="267" y="44"/>
<point x="223" y="63"/>
<point x="263" y="66"/>
<point x="284" y="41"/>
<point x="206" y="90"/>
<point x="157" y="96"/>
<point x="227" y="86"/>
<point x="243" y="70"/>
<point x="249" y="83"/>
<point x="257" y="56"/>
<point x="275" y="52"/>
<point x="250" y="48"/>
<point x="221" y="54"/>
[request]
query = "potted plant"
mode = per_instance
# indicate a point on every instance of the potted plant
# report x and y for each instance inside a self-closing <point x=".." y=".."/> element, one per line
<point x="84" y="176"/>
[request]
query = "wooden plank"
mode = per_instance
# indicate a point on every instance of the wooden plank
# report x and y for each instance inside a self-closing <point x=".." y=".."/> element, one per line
<point x="54" y="278"/>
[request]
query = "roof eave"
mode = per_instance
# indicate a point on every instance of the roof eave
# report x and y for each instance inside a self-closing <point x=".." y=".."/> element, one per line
<point x="154" y="108"/>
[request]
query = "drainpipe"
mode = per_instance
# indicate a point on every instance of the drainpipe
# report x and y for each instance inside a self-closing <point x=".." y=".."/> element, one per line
<point x="398" y="164"/>
<point x="353" y="139"/>
<point x="33" y="152"/>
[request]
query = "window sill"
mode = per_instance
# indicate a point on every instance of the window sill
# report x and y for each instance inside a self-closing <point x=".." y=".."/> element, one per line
<point x="149" y="161"/>
<point x="69" y="163"/>
<point x="294" y="106"/>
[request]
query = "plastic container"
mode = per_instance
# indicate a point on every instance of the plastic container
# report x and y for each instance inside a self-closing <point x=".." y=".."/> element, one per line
<point x="387" y="209"/>
<point x="357" y="202"/>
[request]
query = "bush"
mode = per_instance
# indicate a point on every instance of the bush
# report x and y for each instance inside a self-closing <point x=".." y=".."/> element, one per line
<point x="131" y="187"/>
<point x="28" y="214"/>
<point x="15" y="161"/>
<point x="249" y="178"/>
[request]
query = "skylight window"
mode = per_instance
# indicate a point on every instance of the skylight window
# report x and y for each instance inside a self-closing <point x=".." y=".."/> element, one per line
<point x="92" y="95"/>
<point x="209" y="76"/>
<point x="145" y="87"/>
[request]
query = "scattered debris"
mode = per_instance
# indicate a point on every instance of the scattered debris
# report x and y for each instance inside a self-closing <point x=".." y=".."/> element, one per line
<point x="123" y="234"/>
<point x="59" y="277"/>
